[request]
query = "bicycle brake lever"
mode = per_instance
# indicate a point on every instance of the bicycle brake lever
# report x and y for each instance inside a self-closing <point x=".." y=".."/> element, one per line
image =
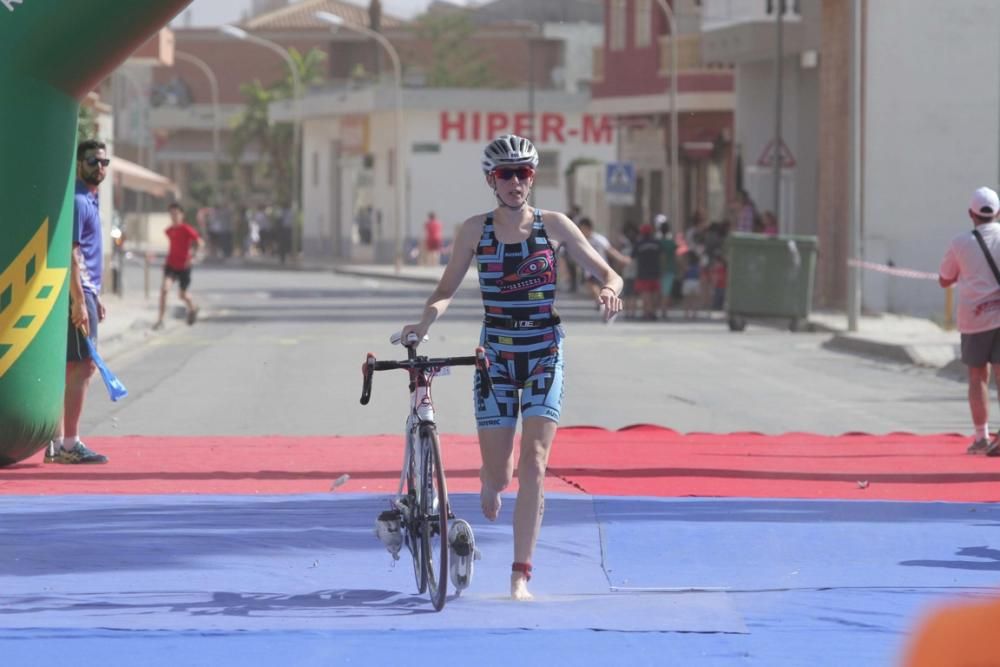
<point x="367" y="372"/>
<point x="482" y="368"/>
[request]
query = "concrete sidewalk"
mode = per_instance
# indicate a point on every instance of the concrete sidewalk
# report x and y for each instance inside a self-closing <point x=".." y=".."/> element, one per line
<point x="900" y="338"/>
<point x="897" y="338"/>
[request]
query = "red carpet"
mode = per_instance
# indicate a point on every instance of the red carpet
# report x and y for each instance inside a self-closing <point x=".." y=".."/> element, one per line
<point x="638" y="461"/>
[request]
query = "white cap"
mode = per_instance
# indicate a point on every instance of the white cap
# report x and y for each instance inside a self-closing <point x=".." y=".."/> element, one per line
<point x="659" y="219"/>
<point x="985" y="203"/>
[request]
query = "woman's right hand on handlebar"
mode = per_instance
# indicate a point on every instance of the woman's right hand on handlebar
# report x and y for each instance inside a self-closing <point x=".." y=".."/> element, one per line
<point x="411" y="330"/>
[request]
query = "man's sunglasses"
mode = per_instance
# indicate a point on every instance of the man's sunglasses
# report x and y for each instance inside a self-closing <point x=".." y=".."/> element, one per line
<point x="522" y="173"/>
<point x="94" y="161"/>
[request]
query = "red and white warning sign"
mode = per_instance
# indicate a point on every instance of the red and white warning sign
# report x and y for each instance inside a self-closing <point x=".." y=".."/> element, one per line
<point x="767" y="155"/>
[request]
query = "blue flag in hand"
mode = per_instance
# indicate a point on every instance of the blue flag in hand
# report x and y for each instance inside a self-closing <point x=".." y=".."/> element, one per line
<point x="116" y="389"/>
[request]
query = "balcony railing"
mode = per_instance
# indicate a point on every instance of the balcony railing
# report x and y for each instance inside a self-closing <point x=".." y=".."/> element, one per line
<point x="724" y="13"/>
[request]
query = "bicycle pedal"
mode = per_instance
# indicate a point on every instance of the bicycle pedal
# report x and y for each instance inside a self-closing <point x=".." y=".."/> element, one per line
<point x="461" y="547"/>
<point x="388" y="529"/>
<point x="462" y="544"/>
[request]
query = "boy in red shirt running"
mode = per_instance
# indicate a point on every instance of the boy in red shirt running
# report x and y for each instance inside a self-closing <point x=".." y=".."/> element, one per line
<point x="184" y="242"/>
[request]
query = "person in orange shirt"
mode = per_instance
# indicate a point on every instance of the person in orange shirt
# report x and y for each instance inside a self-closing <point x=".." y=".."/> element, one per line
<point x="957" y="635"/>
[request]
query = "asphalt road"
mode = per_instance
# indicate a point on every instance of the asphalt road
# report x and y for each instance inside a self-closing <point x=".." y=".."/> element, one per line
<point x="280" y="352"/>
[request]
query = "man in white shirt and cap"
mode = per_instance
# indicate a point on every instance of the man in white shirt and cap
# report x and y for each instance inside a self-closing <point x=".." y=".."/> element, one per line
<point x="970" y="263"/>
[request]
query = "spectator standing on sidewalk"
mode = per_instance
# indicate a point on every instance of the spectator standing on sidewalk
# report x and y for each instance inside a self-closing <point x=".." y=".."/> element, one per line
<point x="569" y="266"/>
<point x="85" y="307"/>
<point x="746" y="212"/>
<point x="970" y="261"/>
<point x="718" y="274"/>
<point x="433" y="240"/>
<point x="626" y="246"/>
<point x="691" y="284"/>
<point x="646" y="255"/>
<point x="605" y="250"/>
<point x="184" y="242"/>
<point x="668" y="249"/>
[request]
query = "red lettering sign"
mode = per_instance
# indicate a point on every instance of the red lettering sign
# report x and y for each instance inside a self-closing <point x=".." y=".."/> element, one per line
<point x="594" y="133"/>
<point x="475" y="126"/>
<point x="522" y="124"/>
<point x="549" y="127"/>
<point x="496" y="123"/>
<point x="552" y="128"/>
<point x="449" y="125"/>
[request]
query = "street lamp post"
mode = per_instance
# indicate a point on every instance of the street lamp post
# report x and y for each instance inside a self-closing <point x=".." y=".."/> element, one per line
<point x="239" y="33"/>
<point x="779" y="56"/>
<point x="854" y="249"/>
<point x="336" y="22"/>
<point x="142" y="155"/>
<point x="675" y="177"/>
<point x="213" y="84"/>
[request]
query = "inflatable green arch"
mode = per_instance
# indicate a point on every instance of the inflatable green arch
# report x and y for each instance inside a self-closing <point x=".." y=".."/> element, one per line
<point x="52" y="53"/>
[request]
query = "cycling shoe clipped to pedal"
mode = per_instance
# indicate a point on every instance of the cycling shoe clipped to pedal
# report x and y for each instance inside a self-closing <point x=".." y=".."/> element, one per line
<point x="463" y="553"/>
<point x="388" y="529"/>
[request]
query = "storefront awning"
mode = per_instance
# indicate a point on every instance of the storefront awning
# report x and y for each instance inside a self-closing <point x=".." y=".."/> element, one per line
<point x="132" y="176"/>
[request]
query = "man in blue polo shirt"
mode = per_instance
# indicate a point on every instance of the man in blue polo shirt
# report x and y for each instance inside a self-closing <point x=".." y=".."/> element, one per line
<point x="86" y="309"/>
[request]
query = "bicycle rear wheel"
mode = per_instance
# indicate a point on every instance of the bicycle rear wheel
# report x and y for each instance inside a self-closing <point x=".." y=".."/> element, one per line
<point x="435" y="510"/>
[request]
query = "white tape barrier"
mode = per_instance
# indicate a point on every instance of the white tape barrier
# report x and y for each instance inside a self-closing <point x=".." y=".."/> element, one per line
<point x="892" y="270"/>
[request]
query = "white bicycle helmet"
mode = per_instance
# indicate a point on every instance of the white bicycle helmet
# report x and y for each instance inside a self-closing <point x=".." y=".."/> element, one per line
<point x="509" y="150"/>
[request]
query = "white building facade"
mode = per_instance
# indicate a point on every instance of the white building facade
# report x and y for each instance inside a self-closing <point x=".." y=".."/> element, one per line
<point x="930" y="123"/>
<point x="931" y="136"/>
<point x="349" y="152"/>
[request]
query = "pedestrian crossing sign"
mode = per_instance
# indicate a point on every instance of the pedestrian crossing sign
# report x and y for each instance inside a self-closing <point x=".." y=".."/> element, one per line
<point x="619" y="183"/>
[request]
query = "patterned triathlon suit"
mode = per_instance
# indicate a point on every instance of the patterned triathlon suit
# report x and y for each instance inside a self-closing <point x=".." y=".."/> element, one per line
<point x="521" y="331"/>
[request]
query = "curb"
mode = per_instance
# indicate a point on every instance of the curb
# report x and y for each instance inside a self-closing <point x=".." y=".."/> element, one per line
<point x="928" y="355"/>
<point x="139" y="331"/>
<point x="954" y="370"/>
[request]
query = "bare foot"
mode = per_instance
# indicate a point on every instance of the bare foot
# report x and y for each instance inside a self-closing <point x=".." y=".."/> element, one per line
<point x="519" y="587"/>
<point x="490" y="501"/>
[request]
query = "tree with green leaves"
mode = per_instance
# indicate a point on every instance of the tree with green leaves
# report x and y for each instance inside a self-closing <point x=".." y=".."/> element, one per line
<point x="456" y="61"/>
<point x="273" y="140"/>
<point x="86" y="123"/>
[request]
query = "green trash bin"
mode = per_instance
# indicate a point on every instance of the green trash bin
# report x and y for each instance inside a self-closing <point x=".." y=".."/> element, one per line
<point x="769" y="276"/>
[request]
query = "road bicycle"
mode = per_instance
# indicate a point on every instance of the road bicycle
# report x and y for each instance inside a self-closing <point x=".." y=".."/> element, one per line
<point x="419" y="514"/>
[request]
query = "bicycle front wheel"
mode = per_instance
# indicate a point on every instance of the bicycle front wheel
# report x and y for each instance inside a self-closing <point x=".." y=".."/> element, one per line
<point x="414" y="541"/>
<point x="434" y="503"/>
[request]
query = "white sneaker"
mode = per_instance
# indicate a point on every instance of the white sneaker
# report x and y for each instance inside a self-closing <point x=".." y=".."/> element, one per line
<point x="387" y="529"/>
<point x="462" y="554"/>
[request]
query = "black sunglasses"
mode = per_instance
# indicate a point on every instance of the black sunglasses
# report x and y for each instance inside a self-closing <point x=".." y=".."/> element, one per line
<point x="522" y="173"/>
<point x="94" y="161"/>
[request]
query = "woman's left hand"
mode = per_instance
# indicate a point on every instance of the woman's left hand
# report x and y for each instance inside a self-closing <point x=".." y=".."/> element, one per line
<point x="609" y="302"/>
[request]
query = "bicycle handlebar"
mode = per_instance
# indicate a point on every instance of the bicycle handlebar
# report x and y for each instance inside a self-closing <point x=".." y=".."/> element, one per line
<point x="415" y="363"/>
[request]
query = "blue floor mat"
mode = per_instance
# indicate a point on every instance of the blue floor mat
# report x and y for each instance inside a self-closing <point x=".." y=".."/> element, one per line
<point x="238" y="580"/>
<point x="305" y="562"/>
<point x="751" y="544"/>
